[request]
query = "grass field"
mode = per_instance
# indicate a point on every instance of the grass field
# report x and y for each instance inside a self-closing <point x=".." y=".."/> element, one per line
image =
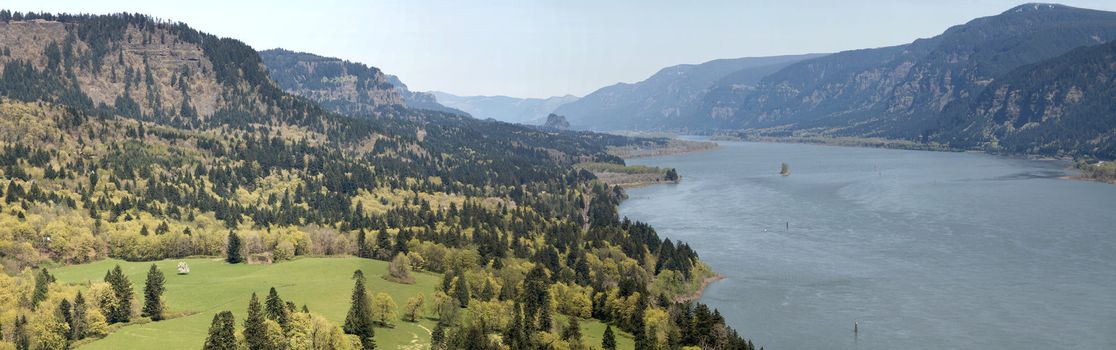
<point x="323" y="284"/>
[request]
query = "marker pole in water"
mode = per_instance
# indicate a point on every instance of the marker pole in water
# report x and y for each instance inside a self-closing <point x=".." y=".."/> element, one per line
<point x="856" y="328"/>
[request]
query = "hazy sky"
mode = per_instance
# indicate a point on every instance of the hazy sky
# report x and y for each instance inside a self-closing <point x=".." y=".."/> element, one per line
<point x="527" y="48"/>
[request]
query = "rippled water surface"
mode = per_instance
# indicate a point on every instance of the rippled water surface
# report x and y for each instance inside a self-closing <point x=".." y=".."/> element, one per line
<point x="926" y="250"/>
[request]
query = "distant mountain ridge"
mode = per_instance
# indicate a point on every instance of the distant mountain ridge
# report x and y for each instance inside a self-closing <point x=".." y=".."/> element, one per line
<point x="665" y="99"/>
<point x="503" y="108"/>
<point x="903" y="91"/>
<point x="1035" y="79"/>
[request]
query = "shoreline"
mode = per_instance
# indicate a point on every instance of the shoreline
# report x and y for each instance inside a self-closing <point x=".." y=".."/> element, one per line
<point x="701" y="290"/>
<point x="884" y="144"/>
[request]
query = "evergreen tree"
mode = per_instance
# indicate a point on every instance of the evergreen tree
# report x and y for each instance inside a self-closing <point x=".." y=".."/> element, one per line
<point x="65" y="314"/>
<point x="488" y="292"/>
<point x="609" y="341"/>
<point x="383" y="245"/>
<point x="545" y="321"/>
<point x="276" y="309"/>
<point x="438" y="337"/>
<point x="78" y="325"/>
<point x="20" y="334"/>
<point x="461" y="290"/>
<point x="572" y="333"/>
<point x="255" y="332"/>
<point x="122" y="289"/>
<point x="222" y="332"/>
<point x="232" y="251"/>
<point x="153" y="294"/>
<point x="536" y="298"/>
<point x="42" y="287"/>
<point x="359" y="320"/>
<point x="362" y="245"/>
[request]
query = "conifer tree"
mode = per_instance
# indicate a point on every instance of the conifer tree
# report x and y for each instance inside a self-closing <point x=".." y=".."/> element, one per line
<point x="488" y="292"/>
<point x="78" y="325"/>
<point x="609" y="341"/>
<point x="276" y="309"/>
<point x="20" y="334"/>
<point x="42" y="286"/>
<point x="438" y="337"/>
<point x="65" y="314"/>
<point x="383" y="245"/>
<point x="359" y="320"/>
<point x="122" y="289"/>
<point x="362" y="245"/>
<point x="222" y="332"/>
<point x="232" y="250"/>
<point x="461" y="290"/>
<point x="255" y="332"/>
<point x="572" y="333"/>
<point x="153" y="294"/>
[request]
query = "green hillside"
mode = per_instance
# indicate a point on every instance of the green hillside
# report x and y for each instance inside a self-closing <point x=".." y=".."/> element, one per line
<point x="322" y="284"/>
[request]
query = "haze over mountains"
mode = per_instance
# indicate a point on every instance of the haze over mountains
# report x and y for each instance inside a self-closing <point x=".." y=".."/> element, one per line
<point x="1014" y="82"/>
<point x="503" y="108"/>
<point x="666" y="98"/>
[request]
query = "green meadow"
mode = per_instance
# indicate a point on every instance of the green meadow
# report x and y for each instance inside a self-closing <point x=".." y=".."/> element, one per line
<point x="322" y="284"/>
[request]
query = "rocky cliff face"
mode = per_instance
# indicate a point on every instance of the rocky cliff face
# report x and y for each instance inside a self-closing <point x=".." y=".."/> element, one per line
<point x="151" y="70"/>
<point x="1062" y="107"/>
<point x="344" y="86"/>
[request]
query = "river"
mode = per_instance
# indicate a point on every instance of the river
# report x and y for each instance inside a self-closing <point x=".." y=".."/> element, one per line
<point x="924" y="250"/>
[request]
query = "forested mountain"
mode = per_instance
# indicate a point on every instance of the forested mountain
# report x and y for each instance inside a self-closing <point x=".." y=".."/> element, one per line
<point x="532" y="111"/>
<point x="126" y="137"/>
<point x="1061" y="106"/>
<point x="924" y="90"/>
<point x="343" y="86"/>
<point x="665" y="100"/>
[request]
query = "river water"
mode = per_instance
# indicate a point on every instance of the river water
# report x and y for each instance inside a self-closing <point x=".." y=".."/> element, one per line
<point x="924" y="250"/>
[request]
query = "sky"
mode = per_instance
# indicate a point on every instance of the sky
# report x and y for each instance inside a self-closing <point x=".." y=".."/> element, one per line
<point x="536" y="48"/>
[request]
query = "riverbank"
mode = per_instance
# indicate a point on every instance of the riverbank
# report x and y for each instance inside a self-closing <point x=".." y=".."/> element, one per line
<point x="630" y="176"/>
<point x="673" y="146"/>
<point x="1104" y="172"/>
<point x="701" y="290"/>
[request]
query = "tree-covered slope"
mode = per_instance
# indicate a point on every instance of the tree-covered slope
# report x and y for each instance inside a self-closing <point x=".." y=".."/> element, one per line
<point x="1059" y="107"/>
<point x="665" y="99"/>
<point x="904" y="91"/>
<point x="126" y="137"/>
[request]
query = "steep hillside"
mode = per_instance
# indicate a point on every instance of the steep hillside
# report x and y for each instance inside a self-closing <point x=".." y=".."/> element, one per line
<point x="902" y="91"/>
<point x="1059" y="107"/>
<point x="343" y="86"/>
<point x="337" y="84"/>
<point x="503" y="108"/>
<point x="665" y="99"/>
